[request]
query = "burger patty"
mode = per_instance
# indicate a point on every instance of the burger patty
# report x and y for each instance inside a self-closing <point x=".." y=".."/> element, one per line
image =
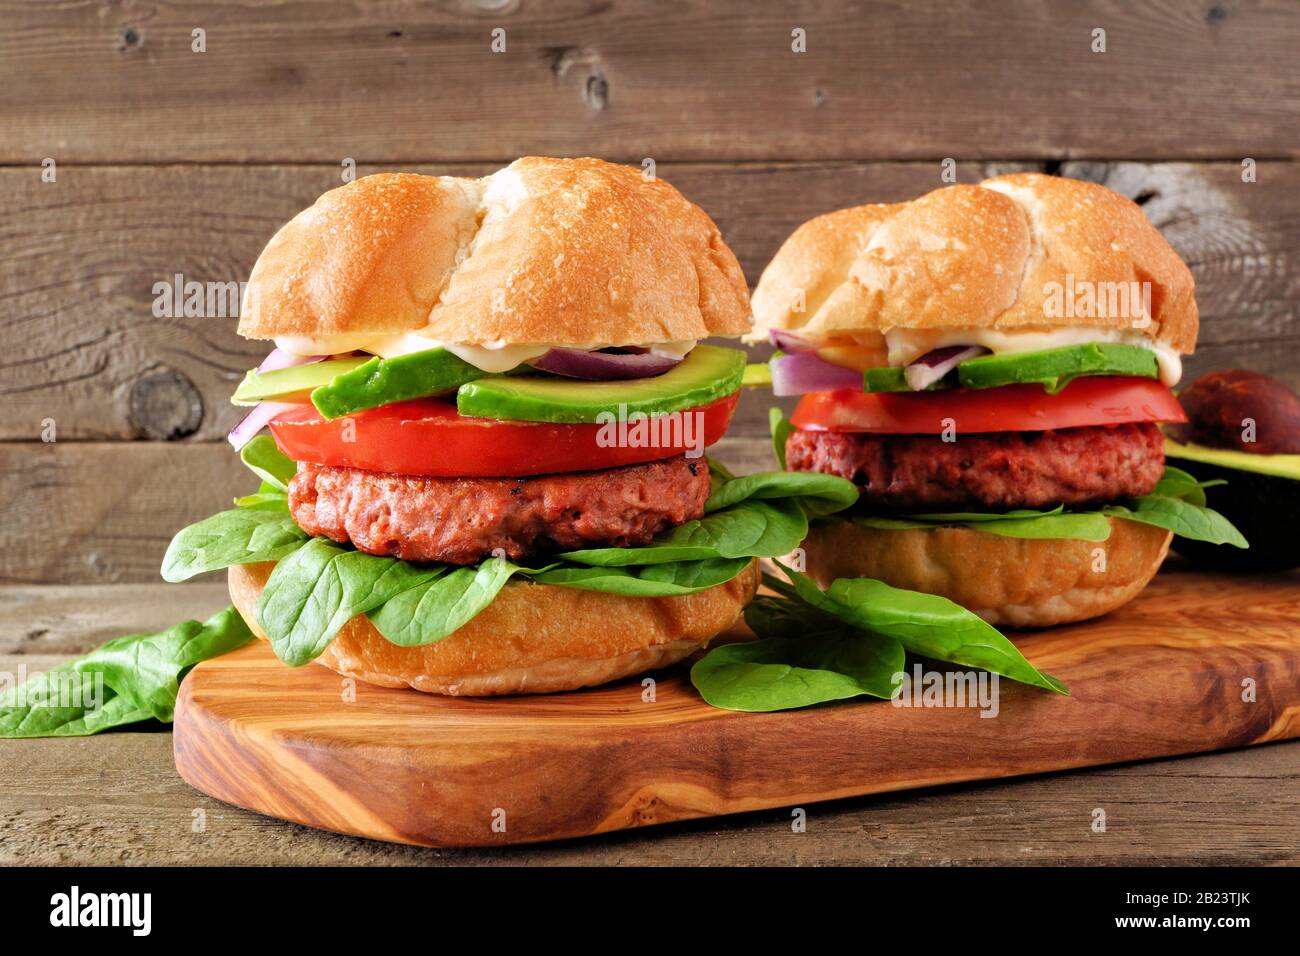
<point x="994" y="471"/>
<point x="463" y="520"/>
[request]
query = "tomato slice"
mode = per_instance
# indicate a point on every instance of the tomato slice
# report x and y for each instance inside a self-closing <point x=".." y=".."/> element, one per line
<point x="428" y="437"/>
<point x="1099" y="400"/>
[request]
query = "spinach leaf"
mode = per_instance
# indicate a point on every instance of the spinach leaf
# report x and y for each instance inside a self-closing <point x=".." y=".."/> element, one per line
<point x="1182" y="517"/>
<point x="1176" y="483"/>
<point x="265" y="501"/>
<point x="754" y="528"/>
<point x="817" y="493"/>
<point x="125" y="680"/>
<point x="763" y="515"/>
<point x="238" y="536"/>
<point x="973" y="517"/>
<point x="781" y="430"/>
<point x="925" y="624"/>
<point x="266" y="461"/>
<point x="435" y="608"/>
<point x="782" y="673"/>
<point x="313" y="592"/>
<point x="653" y="580"/>
<point x="1085" y="526"/>
<point x="1178" y="505"/>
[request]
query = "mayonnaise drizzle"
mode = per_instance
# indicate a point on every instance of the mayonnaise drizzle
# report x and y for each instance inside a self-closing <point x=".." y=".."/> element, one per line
<point x="494" y="357"/>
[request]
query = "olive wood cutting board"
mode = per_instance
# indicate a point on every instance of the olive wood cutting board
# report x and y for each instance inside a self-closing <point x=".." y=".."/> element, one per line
<point x="1165" y="675"/>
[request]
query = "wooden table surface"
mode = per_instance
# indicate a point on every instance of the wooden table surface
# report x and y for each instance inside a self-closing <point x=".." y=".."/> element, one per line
<point x="180" y="154"/>
<point x="116" y="798"/>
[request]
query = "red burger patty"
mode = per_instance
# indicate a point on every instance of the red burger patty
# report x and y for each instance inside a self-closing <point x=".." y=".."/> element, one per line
<point x="463" y="520"/>
<point x="995" y="471"/>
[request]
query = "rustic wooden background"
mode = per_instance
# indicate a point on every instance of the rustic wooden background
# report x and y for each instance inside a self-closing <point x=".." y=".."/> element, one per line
<point x="173" y="161"/>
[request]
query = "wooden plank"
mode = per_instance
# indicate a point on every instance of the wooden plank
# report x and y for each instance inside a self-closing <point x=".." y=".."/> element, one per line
<point x="54" y="619"/>
<point x="100" y="513"/>
<point x="320" y="81"/>
<point x="116" y="799"/>
<point x="79" y="260"/>
<point x="1161" y="676"/>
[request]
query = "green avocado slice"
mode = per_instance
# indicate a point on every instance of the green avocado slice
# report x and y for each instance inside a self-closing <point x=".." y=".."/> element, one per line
<point x="1056" y="368"/>
<point x="890" y="380"/>
<point x="381" y="381"/>
<point x="707" y="373"/>
<point x="1052" y="368"/>
<point x="1278" y="466"/>
<point x="290" y="384"/>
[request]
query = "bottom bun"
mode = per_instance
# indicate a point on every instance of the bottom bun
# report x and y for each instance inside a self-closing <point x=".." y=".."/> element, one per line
<point x="1013" y="582"/>
<point x="533" y="639"/>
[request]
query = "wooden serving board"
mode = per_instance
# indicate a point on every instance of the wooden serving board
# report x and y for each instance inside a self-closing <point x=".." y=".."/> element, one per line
<point x="1164" y="675"/>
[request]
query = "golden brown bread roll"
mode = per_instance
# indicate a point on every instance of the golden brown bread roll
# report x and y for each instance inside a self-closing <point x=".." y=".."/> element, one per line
<point x="533" y="638"/>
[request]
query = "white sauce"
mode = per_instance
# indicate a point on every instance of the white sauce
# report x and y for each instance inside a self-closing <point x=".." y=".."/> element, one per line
<point x="494" y="357"/>
<point x="907" y="345"/>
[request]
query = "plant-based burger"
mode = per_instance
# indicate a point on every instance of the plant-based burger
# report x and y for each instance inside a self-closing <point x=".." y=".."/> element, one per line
<point x="488" y="408"/>
<point x="990" y="366"/>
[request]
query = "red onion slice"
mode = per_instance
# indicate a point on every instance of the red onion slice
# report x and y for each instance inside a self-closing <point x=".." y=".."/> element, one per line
<point x="255" y="421"/>
<point x="805" y="372"/>
<point x="279" y="358"/>
<point x="603" y="366"/>
<point x="788" y="341"/>
<point x="935" y="364"/>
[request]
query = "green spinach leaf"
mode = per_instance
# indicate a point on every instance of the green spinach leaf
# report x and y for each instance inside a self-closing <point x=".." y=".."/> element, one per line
<point x="782" y="673"/>
<point x="1182" y="517"/>
<point x="781" y="431"/>
<point x="925" y="624"/>
<point x="266" y="461"/>
<point x="127" y="679"/>
<point x="238" y="536"/>
<point x="652" y="580"/>
<point x="754" y="528"/>
<point x="313" y="592"/>
<point x="817" y="493"/>
<point x="435" y="608"/>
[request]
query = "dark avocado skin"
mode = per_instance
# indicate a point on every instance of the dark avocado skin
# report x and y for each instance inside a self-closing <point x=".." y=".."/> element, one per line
<point x="1265" y="508"/>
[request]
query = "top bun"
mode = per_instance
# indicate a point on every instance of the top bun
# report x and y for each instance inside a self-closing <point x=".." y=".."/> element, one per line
<point x="546" y="251"/>
<point x="977" y="257"/>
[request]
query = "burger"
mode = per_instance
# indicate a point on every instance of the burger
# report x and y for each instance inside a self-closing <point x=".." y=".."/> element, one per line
<point x="990" y="365"/>
<point x="487" y="405"/>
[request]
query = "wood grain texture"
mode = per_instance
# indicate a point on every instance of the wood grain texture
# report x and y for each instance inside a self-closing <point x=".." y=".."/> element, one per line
<point x="103" y="512"/>
<point x="116" y="800"/>
<point x="318" y="81"/>
<point x="79" y="259"/>
<point x="54" y="619"/>
<point x="1162" y="676"/>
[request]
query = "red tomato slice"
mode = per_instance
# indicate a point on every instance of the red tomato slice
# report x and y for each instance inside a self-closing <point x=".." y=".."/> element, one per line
<point x="1094" y="400"/>
<point x="428" y="437"/>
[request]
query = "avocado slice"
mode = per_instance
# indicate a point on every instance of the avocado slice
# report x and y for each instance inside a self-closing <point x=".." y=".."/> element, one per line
<point x="706" y="374"/>
<point x="382" y="381"/>
<point x="1279" y="466"/>
<point x="1056" y="368"/>
<point x="1051" y="368"/>
<point x="890" y="380"/>
<point x="290" y="384"/>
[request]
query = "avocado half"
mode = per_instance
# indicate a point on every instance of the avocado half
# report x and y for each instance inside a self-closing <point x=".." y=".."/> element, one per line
<point x="1261" y="497"/>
